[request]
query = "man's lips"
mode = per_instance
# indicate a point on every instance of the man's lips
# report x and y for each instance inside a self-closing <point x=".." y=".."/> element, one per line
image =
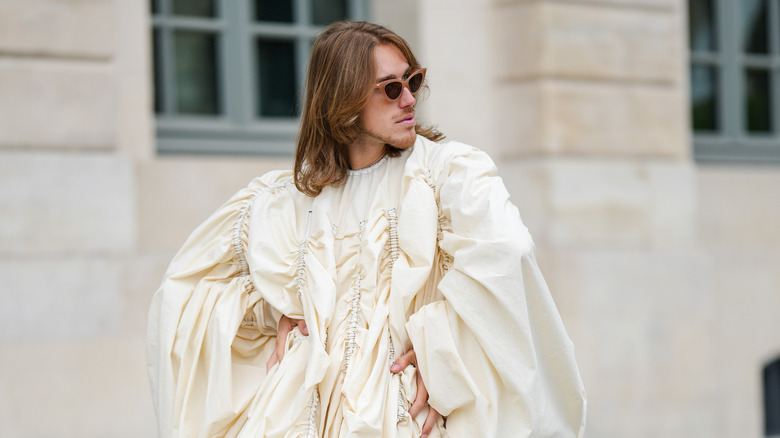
<point x="407" y="120"/>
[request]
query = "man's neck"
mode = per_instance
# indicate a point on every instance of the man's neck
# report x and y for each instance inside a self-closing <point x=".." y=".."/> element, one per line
<point x="364" y="154"/>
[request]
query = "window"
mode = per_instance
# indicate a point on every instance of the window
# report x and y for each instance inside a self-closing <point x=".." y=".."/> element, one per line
<point x="735" y="79"/>
<point x="228" y="74"/>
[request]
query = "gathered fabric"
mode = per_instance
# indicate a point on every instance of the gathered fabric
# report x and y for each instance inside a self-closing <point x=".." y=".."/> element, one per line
<point x="420" y="251"/>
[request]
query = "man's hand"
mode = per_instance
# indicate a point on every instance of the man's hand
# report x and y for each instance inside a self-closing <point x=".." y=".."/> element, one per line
<point x="422" y="394"/>
<point x="285" y="326"/>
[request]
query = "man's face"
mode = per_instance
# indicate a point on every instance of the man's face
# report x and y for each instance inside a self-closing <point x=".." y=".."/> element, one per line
<point x="383" y="121"/>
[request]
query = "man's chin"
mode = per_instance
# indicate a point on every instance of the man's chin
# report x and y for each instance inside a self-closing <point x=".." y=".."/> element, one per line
<point x="405" y="142"/>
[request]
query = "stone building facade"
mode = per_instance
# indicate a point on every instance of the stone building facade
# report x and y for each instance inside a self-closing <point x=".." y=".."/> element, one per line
<point x="665" y="270"/>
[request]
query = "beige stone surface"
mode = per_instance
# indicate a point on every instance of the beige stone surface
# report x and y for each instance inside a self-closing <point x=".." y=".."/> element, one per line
<point x="670" y="342"/>
<point x="587" y="42"/>
<point x="133" y="61"/>
<point x="527" y="182"/>
<point x="611" y="119"/>
<point x="620" y="44"/>
<point x="401" y="16"/>
<point x="521" y="110"/>
<point x="59" y="298"/>
<point x="59" y="203"/>
<point x="578" y="78"/>
<point x="673" y="208"/>
<point x="740" y="205"/>
<point x="520" y="34"/>
<point x="565" y="39"/>
<point x="140" y="276"/>
<point x="746" y="289"/>
<point x="634" y="342"/>
<point x="666" y="273"/>
<point x="454" y="46"/>
<point x="593" y="203"/>
<point x="577" y="118"/>
<point x="647" y="5"/>
<point x="61" y="28"/>
<point x="443" y="4"/>
<point x="55" y="104"/>
<point x="89" y="388"/>
<point x="176" y="194"/>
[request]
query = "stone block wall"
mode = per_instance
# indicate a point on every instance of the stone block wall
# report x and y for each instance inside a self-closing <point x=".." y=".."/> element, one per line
<point x="590" y="78"/>
<point x="90" y="216"/>
<point x="73" y="362"/>
<point x="667" y="273"/>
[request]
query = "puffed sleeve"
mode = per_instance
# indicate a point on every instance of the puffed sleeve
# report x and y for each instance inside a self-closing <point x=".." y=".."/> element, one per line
<point x="210" y="330"/>
<point x="494" y="353"/>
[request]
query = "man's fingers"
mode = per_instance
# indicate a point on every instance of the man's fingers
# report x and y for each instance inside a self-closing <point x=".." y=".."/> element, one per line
<point x="271" y="362"/>
<point x="286" y="325"/>
<point x="278" y="354"/>
<point x="416" y="407"/>
<point x="420" y="400"/>
<point x="302" y="326"/>
<point x="404" y="361"/>
<point x="430" y="420"/>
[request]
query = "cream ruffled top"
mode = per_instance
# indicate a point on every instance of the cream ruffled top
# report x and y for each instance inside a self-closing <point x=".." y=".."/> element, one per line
<point x="421" y="250"/>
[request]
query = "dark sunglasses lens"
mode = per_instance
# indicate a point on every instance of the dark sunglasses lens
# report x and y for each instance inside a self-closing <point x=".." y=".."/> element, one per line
<point x="393" y="90"/>
<point x="415" y="82"/>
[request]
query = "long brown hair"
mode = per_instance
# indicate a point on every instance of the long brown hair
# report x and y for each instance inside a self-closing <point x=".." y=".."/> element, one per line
<point x="339" y="83"/>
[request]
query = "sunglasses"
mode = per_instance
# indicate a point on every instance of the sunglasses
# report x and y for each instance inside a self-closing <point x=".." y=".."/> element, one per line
<point x="394" y="87"/>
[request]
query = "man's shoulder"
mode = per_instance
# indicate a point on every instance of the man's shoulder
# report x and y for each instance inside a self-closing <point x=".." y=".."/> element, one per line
<point x="278" y="188"/>
<point x="436" y="155"/>
<point x="275" y="186"/>
<point x="272" y="181"/>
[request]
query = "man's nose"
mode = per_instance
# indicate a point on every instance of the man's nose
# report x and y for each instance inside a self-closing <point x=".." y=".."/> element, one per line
<point x="407" y="98"/>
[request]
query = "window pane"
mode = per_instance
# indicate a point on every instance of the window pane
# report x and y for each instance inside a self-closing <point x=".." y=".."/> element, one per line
<point x="195" y="8"/>
<point x="757" y="100"/>
<point x="196" y="73"/>
<point x="274" y="10"/>
<point x="327" y="11"/>
<point x="277" y="88"/>
<point x="158" y="71"/>
<point x="754" y="25"/>
<point x="701" y="25"/>
<point x="704" y="98"/>
<point x="155" y="5"/>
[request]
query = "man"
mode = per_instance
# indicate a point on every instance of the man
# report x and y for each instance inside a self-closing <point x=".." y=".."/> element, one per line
<point x="384" y="288"/>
